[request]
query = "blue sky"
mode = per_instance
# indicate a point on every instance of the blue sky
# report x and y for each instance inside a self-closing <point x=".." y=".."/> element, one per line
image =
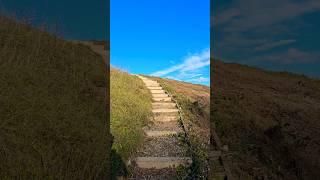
<point x="163" y="38"/>
<point x="271" y="34"/>
<point x="75" y="19"/>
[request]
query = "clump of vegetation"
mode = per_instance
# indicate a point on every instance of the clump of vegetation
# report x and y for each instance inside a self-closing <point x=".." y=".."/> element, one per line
<point x="130" y="111"/>
<point x="52" y="107"/>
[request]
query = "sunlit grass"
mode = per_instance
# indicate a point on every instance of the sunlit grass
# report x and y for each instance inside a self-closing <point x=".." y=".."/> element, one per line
<point x="130" y="111"/>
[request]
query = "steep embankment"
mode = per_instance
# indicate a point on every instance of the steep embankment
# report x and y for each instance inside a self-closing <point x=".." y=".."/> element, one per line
<point x="130" y="112"/>
<point x="270" y="120"/>
<point x="52" y="107"/>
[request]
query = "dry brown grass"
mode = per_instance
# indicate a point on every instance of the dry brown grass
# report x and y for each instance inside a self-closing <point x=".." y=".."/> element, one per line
<point x="53" y="121"/>
<point x="270" y="120"/>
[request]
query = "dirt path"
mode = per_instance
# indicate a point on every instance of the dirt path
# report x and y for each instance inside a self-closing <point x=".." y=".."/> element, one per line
<point x="162" y="151"/>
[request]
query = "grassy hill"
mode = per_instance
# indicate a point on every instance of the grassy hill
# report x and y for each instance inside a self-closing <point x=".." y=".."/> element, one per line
<point x="270" y="120"/>
<point x="130" y="104"/>
<point x="52" y="99"/>
<point x="131" y="111"/>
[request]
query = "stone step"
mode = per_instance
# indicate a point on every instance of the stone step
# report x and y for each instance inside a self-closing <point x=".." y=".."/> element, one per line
<point x="155" y="88"/>
<point x="217" y="168"/>
<point x="162" y="162"/>
<point x="149" y="81"/>
<point x="152" y="85"/>
<point x="165" y="110"/>
<point x="160" y="133"/>
<point x="164" y="126"/>
<point x="166" y="99"/>
<point x="163" y="95"/>
<point x="163" y="105"/>
<point x="166" y="118"/>
<point x="164" y="114"/>
<point x="217" y="176"/>
<point x="157" y="91"/>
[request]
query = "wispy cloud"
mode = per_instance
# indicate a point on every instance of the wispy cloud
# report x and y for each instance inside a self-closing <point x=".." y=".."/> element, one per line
<point x="189" y="69"/>
<point x="251" y="14"/>
<point x="246" y="29"/>
<point x="190" y="63"/>
<point x="200" y="80"/>
<point x="271" y="45"/>
<point x="292" y="55"/>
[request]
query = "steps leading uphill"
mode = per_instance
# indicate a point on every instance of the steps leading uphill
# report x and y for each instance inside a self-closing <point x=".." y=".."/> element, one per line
<point x="162" y="151"/>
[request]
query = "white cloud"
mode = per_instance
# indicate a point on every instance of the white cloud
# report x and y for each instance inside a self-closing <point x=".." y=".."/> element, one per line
<point x="200" y="80"/>
<point x="248" y="14"/>
<point x="263" y="22"/>
<point x="292" y="55"/>
<point x="191" y="63"/>
<point x="268" y="46"/>
<point x="190" y="70"/>
<point x="167" y="71"/>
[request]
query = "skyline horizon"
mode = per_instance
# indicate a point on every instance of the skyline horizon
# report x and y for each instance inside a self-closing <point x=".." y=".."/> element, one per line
<point x="281" y="47"/>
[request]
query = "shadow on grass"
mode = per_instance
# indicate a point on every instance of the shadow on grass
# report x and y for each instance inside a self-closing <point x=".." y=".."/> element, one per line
<point x="118" y="166"/>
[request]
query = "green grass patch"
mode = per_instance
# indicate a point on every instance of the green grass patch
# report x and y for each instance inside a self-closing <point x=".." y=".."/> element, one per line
<point x="52" y="118"/>
<point x="130" y="112"/>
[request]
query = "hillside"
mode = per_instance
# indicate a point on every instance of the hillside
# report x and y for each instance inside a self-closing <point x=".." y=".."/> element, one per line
<point x="269" y="120"/>
<point x="131" y="114"/>
<point x="130" y="107"/>
<point x="52" y="99"/>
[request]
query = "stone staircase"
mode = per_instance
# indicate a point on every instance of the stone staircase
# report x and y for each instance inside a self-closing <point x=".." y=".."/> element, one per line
<point x="161" y="151"/>
<point x="219" y="159"/>
<point x="218" y="171"/>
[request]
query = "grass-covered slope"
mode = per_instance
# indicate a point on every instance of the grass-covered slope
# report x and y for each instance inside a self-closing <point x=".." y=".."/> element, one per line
<point x="52" y="107"/>
<point x="270" y="120"/>
<point x="130" y="111"/>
